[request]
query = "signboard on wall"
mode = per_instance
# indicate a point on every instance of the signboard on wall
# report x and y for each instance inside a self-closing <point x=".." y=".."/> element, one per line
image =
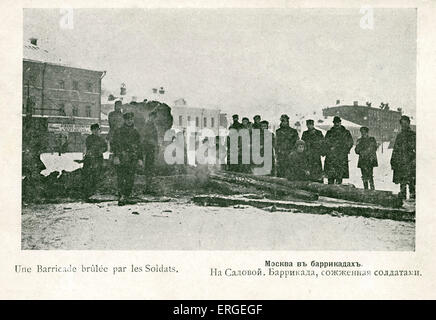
<point x="69" y="127"/>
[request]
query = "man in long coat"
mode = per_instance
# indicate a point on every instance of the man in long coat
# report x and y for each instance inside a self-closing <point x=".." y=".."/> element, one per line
<point x="286" y="137"/>
<point x="403" y="160"/>
<point x="314" y="146"/>
<point x="128" y="154"/>
<point x="338" y="143"/>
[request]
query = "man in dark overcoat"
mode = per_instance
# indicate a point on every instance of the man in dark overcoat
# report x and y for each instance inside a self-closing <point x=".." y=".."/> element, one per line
<point x="128" y="155"/>
<point x="338" y="143"/>
<point x="285" y="144"/>
<point x="314" y="146"/>
<point x="403" y="160"/>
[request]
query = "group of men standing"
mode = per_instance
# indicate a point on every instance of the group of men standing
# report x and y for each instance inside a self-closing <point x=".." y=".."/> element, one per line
<point x="301" y="159"/>
<point x="293" y="158"/>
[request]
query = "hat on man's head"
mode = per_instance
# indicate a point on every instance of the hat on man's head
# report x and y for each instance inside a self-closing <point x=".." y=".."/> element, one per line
<point x="95" y="126"/>
<point x="235" y="116"/>
<point x="246" y="119"/>
<point x="128" y="115"/>
<point x="117" y="102"/>
<point x="405" y="118"/>
<point x="310" y="121"/>
<point x="336" y="119"/>
<point x="364" y="129"/>
<point x="256" y="117"/>
<point x="264" y="122"/>
<point x="284" y="117"/>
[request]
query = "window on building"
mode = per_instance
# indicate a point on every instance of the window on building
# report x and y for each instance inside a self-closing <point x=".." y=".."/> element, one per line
<point x="189" y="119"/>
<point x="89" y="86"/>
<point x="212" y="122"/>
<point x="61" y="109"/>
<point x="205" y="122"/>
<point x="197" y="122"/>
<point x="61" y="84"/>
<point x="88" y="111"/>
<point x="75" y="111"/>
<point x="75" y="85"/>
<point x="180" y="120"/>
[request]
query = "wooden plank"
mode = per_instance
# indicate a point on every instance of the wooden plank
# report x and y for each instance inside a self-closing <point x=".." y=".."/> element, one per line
<point x="318" y="207"/>
<point x="346" y="192"/>
<point x="275" y="189"/>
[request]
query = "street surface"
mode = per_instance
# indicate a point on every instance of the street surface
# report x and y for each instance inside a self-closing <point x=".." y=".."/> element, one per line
<point x="180" y="225"/>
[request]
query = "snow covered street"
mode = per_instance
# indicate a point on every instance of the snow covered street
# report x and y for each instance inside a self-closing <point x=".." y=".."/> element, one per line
<point x="180" y="225"/>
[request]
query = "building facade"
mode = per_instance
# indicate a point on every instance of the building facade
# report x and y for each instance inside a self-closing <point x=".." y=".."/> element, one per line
<point x="200" y="117"/>
<point x="67" y="97"/>
<point x="382" y="123"/>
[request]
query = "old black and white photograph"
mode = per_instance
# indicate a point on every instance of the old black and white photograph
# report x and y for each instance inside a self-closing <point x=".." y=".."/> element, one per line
<point x="219" y="129"/>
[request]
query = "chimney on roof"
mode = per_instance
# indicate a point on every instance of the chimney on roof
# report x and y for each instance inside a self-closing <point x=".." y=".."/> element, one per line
<point x="338" y="101"/>
<point x="355" y="103"/>
<point x="161" y="90"/>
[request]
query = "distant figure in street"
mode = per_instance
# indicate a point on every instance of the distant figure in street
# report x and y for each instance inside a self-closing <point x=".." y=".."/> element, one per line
<point x="299" y="168"/>
<point x="116" y="121"/>
<point x="285" y="143"/>
<point x="128" y="154"/>
<point x="257" y="123"/>
<point x="338" y="143"/>
<point x="151" y="148"/>
<point x="403" y="160"/>
<point x="93" y="161"/>
<point x="314" y="148"/>
<point x="236" y="124"/>
<point x="264" y="126"/>
<point x="366" y="148"/>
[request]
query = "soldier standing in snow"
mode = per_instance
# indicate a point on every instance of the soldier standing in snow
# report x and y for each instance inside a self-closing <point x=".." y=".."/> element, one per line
<point x="116" y="121"/>
<point x="128" y="154"/>
<point x="338" y="143"/>
<point x="403" y="160"/>
<point x="366" y="148"/>
<point x="314" y="146"/>
<point x="93" y="161"/>
<point x="285" y="144"/>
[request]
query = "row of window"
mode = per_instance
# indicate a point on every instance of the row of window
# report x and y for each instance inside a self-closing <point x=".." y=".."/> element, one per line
<point x="89" y="87"/>
<point x="197" y="121"/>
<point x="75" y="111"/>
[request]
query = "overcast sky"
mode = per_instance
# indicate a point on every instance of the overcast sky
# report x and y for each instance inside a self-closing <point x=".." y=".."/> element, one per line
<point x="246" y="61"/>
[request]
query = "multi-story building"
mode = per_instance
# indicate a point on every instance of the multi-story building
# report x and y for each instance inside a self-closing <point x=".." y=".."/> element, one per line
<point x="201" y="117"/>
<point x="382" y="123"/>
<point x="66" y="98"/>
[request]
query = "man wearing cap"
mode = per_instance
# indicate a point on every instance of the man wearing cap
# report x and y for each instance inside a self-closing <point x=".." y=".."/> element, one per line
<point x="338" y="142"/>
<point x="285" y="144"/>
<point x="128" y="154"/>
<point x="366" y="148"/>
<point x="256" y="122"/>
<point x="93" y="161"/>
<point x="314" y="148"/>
<point x="236" y="124"/>
<point x="116" y="120"/>
<point x="403" y="160"/>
